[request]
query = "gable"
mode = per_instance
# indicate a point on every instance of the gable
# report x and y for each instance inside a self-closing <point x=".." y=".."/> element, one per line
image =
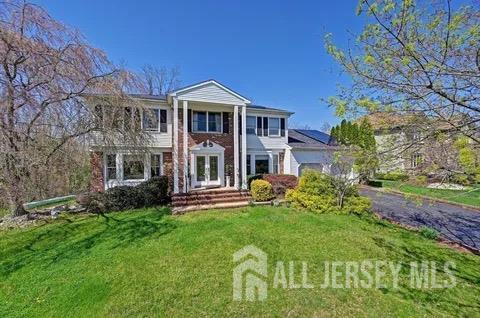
<point x="210" y="91"/>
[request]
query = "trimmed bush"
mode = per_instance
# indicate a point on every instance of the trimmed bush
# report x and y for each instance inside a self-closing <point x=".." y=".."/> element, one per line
<point x="315" y="192"/>
<point x="375" y="183"/>
<point x="149" y="193"/>
<point x="155" y="191"/>
<point x="396" y="175"/>
<point x="253" y="177"/>
<point x="261" y="190"/>
<point x="281" y="182"/>
<point x="93" y="202"/>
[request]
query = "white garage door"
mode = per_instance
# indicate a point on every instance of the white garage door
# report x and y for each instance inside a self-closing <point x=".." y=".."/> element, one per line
<point x="314" y="166"/>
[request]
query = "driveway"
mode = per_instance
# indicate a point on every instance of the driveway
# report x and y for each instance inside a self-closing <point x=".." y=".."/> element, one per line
<point x="458" y="224"/>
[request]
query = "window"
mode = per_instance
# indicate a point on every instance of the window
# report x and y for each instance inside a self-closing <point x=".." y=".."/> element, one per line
<point x="417" y="159"/>
<point x="275" y="164"/>
<point x="98" y="115"/>
<point x="207" y="122"/>
<point x="261" y="164"/>
<point x="249" y="165"/>
<point x="156" y="165"/>
<point x="274" y="126"/>
<point x="251" y="125"/>
<point x="163" y="121"/>
<point x="214" y="122"/>
<point x="150" y="119"/>
<point x="111" y="167"/>
<point x="133" y="167"/>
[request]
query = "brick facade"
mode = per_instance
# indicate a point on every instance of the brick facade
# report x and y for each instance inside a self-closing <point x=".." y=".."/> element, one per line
<point x="96" y="179"/>
<point x="223" y="139"/>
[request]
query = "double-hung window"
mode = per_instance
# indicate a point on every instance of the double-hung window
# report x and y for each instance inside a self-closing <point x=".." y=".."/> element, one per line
<point x="273" y="126"/>
<point x="111" y="166"/>
<point x="251" y="125"/>
<point x="275" y="164"/>
<point x="156" y="165"/>
<point x="155" y="120"/>
<point x="207" y="122"/>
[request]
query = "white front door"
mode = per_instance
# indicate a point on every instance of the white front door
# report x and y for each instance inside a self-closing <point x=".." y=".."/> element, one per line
<point x="207" y="172"/>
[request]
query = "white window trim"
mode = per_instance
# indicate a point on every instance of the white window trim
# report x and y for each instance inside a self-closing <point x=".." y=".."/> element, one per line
<point x="207" y="131"/>
<point x="256" y="132"/>
<point x="279" y="127"/>
<point x="120" y="169"/>
<point x="151" y="130"/>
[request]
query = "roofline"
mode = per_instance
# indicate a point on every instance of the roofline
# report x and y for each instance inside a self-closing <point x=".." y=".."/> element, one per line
<point x="266" y="110"/>
<point x="298" y="131"/>
<point x="210" y="81"/>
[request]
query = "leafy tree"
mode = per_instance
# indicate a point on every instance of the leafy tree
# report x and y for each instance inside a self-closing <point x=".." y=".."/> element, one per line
<point x="362" y="143"/>
<point x="414" y="58"/>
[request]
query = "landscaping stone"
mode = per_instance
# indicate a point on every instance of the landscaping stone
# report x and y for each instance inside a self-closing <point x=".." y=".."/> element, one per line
<point x="446" y="186"/>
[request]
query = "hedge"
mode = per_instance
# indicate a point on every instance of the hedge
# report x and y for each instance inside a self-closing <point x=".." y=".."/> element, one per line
<point x="281" y="182"/>
<point x="261" y="190"/>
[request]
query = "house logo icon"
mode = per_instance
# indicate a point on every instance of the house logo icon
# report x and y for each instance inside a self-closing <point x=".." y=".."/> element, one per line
<point x="251" y="269"/>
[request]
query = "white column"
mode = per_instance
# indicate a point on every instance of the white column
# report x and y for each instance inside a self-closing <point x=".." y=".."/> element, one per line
<point x="236" y="166"/>
<point x="175" y="145"/>
<point x="244" y="147"/>
<point x="185" y="146"/>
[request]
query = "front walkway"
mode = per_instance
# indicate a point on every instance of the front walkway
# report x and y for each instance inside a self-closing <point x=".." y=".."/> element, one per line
<point x="456" y="223"/>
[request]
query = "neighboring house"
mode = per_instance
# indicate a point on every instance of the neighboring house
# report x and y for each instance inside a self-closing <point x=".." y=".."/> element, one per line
<point x="406" y="142"/>
<point x="207" y="135"/>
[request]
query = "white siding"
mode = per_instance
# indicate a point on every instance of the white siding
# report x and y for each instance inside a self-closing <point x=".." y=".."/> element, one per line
<point x="255" y="142"/>
<point x="210" y="93"/>
<point x="323" y="157"/>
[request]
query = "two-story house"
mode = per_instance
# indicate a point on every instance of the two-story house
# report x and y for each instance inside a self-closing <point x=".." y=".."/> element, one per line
<point x="207" y="135"/>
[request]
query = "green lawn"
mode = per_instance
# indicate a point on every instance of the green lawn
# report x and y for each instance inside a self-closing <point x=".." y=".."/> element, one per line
<point x="460" y="196"/>
<point x="148" y="263"/>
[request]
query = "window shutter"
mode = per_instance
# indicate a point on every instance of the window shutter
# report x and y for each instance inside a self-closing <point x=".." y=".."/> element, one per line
<point x="259" y="126"/>
<point x="282" y="127"/>
<point x="226" y="123"/>
<point x="240" y="124"/>
<point x="189" y="120"/>
<point x="265" y="126"/>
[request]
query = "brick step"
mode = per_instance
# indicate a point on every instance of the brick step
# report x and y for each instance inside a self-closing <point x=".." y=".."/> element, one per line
<point x="210" y="194"/>
<point x="211" y="191"/>
<point x="203" y="201"/>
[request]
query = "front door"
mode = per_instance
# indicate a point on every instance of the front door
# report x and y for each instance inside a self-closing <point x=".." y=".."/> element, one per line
<point x="207" y="170"/>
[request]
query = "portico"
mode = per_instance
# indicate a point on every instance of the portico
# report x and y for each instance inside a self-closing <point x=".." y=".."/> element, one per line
<point x="208" y="137"/>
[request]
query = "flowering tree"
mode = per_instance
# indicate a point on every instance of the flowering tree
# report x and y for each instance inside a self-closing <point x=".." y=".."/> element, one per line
<point x="46" y="71"/>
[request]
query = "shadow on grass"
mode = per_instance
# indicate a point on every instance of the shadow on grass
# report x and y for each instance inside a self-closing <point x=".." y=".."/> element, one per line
<point x="46" y="245"/>
<point x="466" y="272"/>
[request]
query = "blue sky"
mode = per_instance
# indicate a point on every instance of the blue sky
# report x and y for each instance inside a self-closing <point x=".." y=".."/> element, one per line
<point x="270" y="51"/>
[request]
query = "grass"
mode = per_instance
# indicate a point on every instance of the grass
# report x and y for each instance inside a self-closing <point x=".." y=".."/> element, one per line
<point x="468" y="197"/>
<point x="148" y="263"/>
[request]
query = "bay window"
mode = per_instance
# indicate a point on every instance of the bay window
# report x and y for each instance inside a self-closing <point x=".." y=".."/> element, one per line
<point x="133" y="167"/>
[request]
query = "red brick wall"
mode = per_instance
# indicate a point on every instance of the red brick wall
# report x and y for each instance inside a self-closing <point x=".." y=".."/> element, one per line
<point x="224" y="140"/>
<point x="96" y="178"/>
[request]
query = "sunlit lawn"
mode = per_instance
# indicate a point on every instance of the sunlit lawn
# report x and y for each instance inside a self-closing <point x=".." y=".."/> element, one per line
<point x="147" y="263"/>
<point x="470" y="196"/>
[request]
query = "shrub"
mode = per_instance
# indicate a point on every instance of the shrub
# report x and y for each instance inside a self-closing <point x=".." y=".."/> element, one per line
<point x="148" y="193"/>
<point x="315" y="192"/>
<point x="421" y="180"/>
<point x="253" y="177"/>
<point x="429" y="233"/>
<point x="375" y="183"/>
<point x="261" y="190"/>
<point x="124" y="198"/>
<point x="93" y="202"/>
<point x="396" y="175"/>
<point x="155" y="191"/>
<point x="281" y="182"/>
<point x="315" y="183"/>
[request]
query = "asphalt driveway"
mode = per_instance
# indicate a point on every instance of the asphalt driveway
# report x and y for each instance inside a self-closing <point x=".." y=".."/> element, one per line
<point x="456" y="223"/>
